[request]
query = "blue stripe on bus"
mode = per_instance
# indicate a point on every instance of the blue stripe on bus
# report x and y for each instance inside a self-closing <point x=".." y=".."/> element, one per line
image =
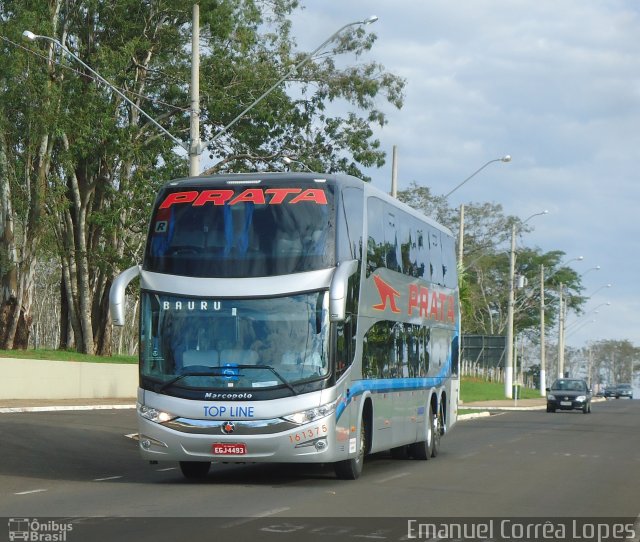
<point x="387" y="385"/>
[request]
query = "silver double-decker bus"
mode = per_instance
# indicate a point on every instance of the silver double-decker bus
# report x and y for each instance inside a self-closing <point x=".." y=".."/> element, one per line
<point x="292" y="317"/>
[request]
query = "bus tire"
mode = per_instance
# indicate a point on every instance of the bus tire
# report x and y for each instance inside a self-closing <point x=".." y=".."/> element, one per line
<point x="438" y="430"/>
<point x="351" y="469"/>
<point x="195" y="470"/>
<point x="423" y="450"/>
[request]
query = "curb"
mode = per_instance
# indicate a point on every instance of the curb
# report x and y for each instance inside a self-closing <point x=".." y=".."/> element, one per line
<point x="506" y="408"/>
<point x="474" y="416"/>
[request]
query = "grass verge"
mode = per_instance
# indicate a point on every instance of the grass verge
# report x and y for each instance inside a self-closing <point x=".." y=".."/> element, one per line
<point x="65" y="355"/>
<point x="476" y="389"/>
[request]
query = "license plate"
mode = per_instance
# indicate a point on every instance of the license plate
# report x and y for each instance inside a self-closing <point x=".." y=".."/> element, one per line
<point x="565" y="403"/>
<point x="228" y="448"/>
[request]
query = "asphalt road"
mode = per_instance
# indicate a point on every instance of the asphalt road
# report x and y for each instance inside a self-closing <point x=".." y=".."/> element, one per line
<point x="81" y="465"/>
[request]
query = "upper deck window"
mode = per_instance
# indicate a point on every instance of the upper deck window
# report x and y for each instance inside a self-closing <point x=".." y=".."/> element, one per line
<point x="242" y="230"/>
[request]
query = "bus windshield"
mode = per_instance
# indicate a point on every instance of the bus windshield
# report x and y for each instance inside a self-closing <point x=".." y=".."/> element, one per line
<point x="230" y="230"/>
<point x="233" y="343"/>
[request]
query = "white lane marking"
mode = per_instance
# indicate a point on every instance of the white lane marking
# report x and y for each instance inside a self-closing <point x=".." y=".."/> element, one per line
<point x="266" y="513"/>
<point x="30" y="491"/>
<point x="394" y="477"/>
<point x="106" y="478"/>
<point x="165" y="470"/>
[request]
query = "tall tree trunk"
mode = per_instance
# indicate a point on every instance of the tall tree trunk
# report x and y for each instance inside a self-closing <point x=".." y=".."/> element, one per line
<point x="103" y="334"/>
<point x="80" y="201"/>
<point x="64" y="337"/>
<point x="8" y="253"/>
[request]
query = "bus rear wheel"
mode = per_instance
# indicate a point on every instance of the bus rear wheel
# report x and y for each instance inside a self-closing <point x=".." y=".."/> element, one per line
<point x="351" y="469"/>
<point x="424" y="449"/>
<point x="438" y="430"/>
<point x="195" y="470"/>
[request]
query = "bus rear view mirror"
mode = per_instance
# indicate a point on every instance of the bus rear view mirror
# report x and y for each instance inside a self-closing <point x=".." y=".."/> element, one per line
<point x="338" y="290"/>
<point x="116" y="294"/>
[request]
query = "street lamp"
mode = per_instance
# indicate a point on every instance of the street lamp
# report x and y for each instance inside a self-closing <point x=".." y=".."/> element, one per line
<point x="195" y="147"/>
<point x="508" y="369"/>
<point x="505" y="158"/>
<point x="601" y="288"/>
<point x="596" y="268"/>
<point x="287" y="160"/>
<point x="592" y="311"/>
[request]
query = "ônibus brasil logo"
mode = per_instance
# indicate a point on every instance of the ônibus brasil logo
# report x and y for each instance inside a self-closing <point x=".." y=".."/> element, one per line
<point x="38" y="531"/>
<point x="427" y="303"/>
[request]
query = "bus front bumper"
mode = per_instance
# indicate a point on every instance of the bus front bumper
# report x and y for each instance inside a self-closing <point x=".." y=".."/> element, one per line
<point x="252" y="441"/>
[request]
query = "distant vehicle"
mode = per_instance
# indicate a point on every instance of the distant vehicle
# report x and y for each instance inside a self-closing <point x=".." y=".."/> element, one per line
<point x="624" y="390"/>
<point x="610" y="391"/>
<point x="569" y="394"/>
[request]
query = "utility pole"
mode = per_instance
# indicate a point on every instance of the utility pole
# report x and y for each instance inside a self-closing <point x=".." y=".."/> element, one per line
<point x="194" y="145"/>
<point x="543" y="361"/>
<point x="461" y="236"/>
<point x="561" y="334"/>
<point x="394" y="172"/>
<point x="508" y="369"/>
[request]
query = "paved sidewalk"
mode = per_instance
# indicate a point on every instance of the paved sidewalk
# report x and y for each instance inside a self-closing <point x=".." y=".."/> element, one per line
<point x="51" y="405"/>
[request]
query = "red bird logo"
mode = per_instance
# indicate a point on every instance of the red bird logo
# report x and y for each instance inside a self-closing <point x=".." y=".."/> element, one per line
<point x="387" y="293"/>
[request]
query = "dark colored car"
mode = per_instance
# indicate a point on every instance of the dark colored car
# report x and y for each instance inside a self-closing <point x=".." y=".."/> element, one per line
<point x="610" y="391"/>
<point x="624" y="390"/>
<point x="569" y="394"/>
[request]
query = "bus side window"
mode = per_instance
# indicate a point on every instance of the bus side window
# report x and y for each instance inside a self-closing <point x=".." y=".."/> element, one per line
<point x="346" y="338"/>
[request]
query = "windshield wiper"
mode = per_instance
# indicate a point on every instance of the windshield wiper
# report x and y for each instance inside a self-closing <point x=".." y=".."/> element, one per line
<point x="183" y="375"/>
<point x="278" y="375"/>
<point x="220" y="371"/>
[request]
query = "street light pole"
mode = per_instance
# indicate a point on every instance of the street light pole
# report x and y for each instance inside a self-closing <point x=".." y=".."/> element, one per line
<point x="291" y="72"/>
<point x="508" y="367"/>
<point x="194" y="128"/>
<point x="561" y="333"/>
<point x="31" y="36"/>
<point x="505" y="158"/>
<point x="543" y="361"/>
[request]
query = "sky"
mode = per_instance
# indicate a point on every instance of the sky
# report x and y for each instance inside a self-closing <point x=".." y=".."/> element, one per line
<point x="556" y="85"/>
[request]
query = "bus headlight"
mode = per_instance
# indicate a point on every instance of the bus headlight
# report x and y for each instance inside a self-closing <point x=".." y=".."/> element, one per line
<point x="154" y="415"/>
<point x="312" y="414"/>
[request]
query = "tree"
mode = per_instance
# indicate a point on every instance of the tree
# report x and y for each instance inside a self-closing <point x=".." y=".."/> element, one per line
<point x="484" y="277"/>
<point x="92" y="163"/>
<point x="29" y="104"/>
<point x="612" y="361"/>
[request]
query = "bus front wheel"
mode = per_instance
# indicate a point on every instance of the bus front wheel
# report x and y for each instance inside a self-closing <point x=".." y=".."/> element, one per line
<point x="195" y="470"/>
<point x="351" y="469"/>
